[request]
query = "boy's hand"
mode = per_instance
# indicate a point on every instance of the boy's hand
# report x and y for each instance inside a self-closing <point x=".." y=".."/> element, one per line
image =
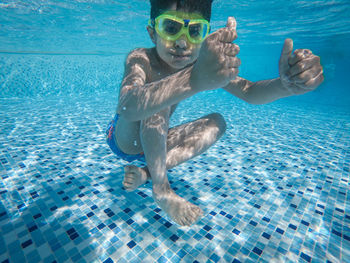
<point x="217" y="63"/>
<point x="300" y="72"/>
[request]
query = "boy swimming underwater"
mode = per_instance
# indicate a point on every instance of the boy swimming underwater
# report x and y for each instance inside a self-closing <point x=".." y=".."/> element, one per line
<point x="186" y="60"/>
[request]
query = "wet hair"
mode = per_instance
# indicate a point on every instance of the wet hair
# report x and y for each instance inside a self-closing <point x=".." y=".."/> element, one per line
<point x="192" y="6"/>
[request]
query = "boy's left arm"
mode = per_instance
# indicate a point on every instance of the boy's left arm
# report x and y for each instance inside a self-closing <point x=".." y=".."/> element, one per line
<point x="299" y="73"/>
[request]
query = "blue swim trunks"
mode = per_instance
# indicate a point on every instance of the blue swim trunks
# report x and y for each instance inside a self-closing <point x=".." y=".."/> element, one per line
<point x="114" y="147"/>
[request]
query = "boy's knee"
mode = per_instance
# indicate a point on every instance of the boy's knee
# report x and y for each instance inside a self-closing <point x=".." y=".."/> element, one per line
<point x="218" y="121"/>
<point x="158" y="122"/>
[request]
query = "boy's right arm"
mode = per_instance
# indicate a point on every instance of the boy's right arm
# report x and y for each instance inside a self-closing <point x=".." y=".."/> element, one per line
<point x="139" y="100"/>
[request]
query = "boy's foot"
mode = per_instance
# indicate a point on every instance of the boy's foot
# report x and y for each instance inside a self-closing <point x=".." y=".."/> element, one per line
<point x="134" y="177"/>
<point x="181" y="211"/>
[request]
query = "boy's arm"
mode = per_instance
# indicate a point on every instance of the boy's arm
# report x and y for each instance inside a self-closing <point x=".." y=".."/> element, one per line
<point x="260" y="92"/>
<point x="299" y="73"/>
<point x="139" y="100"/>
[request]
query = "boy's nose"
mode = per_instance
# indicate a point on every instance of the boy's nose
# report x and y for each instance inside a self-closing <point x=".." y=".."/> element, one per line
<point x="181" y="42"/>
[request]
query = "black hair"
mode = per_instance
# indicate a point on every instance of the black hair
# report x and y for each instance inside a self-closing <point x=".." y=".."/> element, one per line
<point x="199" y="6"/>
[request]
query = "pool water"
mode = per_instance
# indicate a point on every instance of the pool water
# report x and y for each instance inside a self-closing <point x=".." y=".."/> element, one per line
<point x="274" y="188"/>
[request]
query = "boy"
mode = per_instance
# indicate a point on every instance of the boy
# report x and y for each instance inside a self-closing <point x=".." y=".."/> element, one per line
<point x="187" y="60"/>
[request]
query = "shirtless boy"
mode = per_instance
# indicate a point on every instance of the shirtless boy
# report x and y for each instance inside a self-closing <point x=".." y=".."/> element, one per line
<point x="186" y="60"/>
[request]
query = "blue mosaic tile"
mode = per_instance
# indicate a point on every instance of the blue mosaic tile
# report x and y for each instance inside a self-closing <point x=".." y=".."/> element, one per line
<point x="288" y="198"/>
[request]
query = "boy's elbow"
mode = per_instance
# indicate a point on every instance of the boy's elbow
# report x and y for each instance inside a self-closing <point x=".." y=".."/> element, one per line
<point x="246" y="97"/>
<point x="251" y="98"/>
<point x="255" y="101"/>
<point x="128" y="113"/>
<point x="126" y="108"/>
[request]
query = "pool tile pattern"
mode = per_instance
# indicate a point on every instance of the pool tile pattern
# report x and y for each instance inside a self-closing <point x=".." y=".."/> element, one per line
<point x="275" y="188"/>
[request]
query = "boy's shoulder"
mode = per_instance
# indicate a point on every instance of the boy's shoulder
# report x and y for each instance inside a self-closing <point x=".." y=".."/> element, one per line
<point x="147" y="60"/>
<point x="140" y="56"/>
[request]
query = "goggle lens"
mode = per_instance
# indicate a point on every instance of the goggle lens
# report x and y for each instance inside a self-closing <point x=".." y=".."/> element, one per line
<point x="198" y="31"/>
<point x="169" y="26"/>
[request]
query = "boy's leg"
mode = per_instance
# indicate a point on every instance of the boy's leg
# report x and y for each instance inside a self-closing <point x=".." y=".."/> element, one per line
<point x="191" y="139"/>
<point x="154" y="135"/>
<point x="183" y="143"/>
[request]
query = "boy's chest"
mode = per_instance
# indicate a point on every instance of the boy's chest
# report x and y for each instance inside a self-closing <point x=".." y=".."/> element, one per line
<point x="157" y="71"/>
<point x="157" y="74"/>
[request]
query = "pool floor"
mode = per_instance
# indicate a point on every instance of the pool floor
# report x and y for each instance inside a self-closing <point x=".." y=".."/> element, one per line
<point x="275" y="188"/>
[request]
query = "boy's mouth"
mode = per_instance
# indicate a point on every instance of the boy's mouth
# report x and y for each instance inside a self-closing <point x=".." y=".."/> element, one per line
<point x="180" y="56"/>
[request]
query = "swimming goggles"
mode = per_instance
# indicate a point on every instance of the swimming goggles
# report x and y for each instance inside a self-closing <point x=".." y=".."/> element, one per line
<point x="170" y="27"/>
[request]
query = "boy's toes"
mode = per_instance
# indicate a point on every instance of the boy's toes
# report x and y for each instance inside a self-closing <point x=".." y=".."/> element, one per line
<point x="128" y="182"/>
<point x="133" y="177"/>
<point x="128" y="187"/>
<point x="187" y="221"/>
<point x="198" y="211"/>
<point x="193" y="214"/>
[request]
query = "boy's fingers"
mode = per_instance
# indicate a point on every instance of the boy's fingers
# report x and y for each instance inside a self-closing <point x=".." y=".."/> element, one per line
<point x="229" y="34"/>
<point x="286" y="52"/>
<point x="299" y="54"/>
<point x="231" y="49"/>
<point x="232" y="62"/>
<point x="304" y="65"/>
<point x="316" y="81"/>
<point x="231" y="23"/>
<point x="226" y="34"/>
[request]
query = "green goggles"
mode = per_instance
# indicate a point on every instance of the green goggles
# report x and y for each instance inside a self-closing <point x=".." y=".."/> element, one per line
<point x="170" y="27"/>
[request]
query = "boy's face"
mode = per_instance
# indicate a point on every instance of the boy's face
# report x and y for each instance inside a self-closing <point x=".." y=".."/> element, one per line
<point x="180" y="52"/>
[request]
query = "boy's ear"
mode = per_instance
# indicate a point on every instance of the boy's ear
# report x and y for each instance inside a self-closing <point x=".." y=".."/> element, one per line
<point x="152" y="34"/>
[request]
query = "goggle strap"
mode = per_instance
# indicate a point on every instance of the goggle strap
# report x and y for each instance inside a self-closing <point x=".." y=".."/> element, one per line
<point x="151" y="22"/>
